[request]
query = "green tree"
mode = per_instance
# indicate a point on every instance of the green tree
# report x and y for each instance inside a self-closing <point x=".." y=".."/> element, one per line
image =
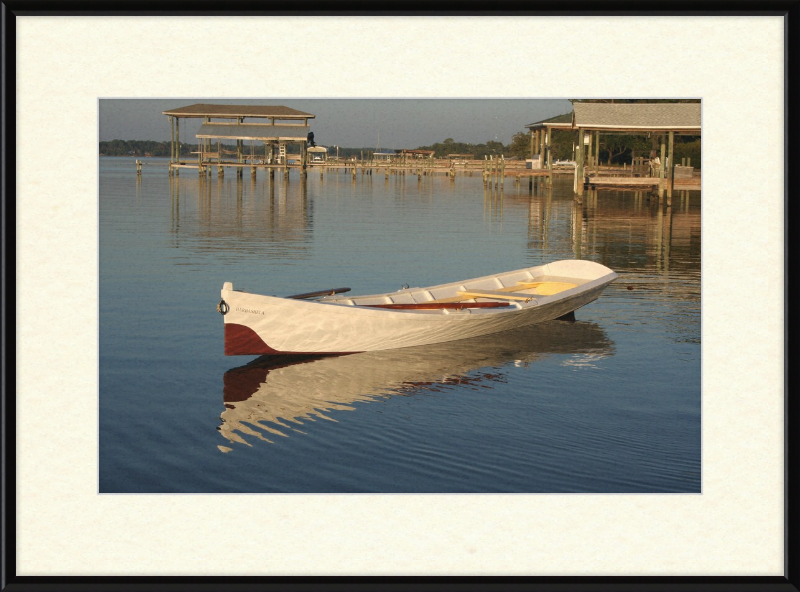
<point x="520" y="145"/>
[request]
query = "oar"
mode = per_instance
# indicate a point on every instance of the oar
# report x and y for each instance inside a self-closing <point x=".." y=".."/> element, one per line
<point x="439" y="305"/>
<point x="330" y="292"/>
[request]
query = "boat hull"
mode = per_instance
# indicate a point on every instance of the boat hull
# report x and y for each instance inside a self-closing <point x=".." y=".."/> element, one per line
<point x="258" y="325"/>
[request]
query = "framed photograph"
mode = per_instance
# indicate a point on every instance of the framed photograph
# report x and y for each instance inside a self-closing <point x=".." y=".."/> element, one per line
<point x="389" y="300"/>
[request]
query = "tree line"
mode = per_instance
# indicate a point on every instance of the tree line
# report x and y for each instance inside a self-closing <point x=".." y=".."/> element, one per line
<point x="140" y="148"/>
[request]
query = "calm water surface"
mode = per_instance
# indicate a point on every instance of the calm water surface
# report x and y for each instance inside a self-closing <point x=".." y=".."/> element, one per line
<point x="609" y="403"/>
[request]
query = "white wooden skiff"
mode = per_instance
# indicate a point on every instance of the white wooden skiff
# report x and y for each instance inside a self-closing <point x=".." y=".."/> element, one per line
<point x="258" y="325"/>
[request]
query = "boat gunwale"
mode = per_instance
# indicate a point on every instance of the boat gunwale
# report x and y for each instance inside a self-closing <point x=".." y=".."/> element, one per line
<point x="340" y="306"/>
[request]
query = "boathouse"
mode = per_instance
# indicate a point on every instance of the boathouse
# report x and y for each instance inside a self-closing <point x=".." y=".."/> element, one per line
<point x="588" y="122"/>
<point x="659" y="121"/>
<point x="276" y="127"/>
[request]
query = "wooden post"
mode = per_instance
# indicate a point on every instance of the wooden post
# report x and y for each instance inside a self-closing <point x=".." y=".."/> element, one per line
<point x="589" y="152"/>
<point x="172" y="140"/>
<point x="671" y="169"/>
<point x="661" y="170"/>
<point x="579" y="150"/>
<point x="201" y="146"/>
<point x="597" y="152"/>
<point x="272" y="160"/>
<point x="239" y="146"/>
<point x="542" y="149"/>
<point x="549" y="151"/>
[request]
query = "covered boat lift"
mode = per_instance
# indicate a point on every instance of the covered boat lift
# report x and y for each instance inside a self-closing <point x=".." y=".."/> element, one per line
<point x="317" y="154"/>
<point x="284" y="126"/>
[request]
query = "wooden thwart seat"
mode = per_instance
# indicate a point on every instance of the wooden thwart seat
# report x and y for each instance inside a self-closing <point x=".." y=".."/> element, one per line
<point x="542" y="288"/>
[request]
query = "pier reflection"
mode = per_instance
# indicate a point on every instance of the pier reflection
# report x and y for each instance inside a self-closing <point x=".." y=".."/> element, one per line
<point x="265" y="216"/>
<point x="493" y="202"/>
<point x="631" y="231"/>
<point x="275" y="395"/>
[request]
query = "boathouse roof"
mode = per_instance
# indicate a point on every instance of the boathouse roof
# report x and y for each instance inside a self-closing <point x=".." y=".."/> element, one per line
<point x="211" y="110"/>
<point x="637" y="116"/>
<point x="564" y="120"/>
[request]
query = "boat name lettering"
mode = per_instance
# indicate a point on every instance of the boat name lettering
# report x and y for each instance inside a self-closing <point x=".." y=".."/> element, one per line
<point x="250" y="310"/>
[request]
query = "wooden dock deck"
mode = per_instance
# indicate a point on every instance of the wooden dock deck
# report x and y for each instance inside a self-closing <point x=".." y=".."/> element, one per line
<point x="632" y="182"/>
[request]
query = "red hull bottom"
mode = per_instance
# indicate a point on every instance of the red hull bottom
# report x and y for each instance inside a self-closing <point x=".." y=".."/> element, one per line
<point x="243" y="341"/>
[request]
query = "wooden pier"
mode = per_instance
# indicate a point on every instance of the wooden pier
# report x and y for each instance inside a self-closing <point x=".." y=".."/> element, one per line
<point x="494" y="173"/>
<point x="493" y="170"/>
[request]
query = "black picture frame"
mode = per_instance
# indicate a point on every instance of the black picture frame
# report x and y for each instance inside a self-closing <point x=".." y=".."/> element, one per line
<point x="11" y="582"/>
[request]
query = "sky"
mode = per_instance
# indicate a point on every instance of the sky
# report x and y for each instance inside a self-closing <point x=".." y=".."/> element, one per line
<point x="353" y="123"/>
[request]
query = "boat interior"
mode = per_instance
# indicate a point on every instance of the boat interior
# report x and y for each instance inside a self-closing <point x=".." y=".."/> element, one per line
<point x="497" y="292"/>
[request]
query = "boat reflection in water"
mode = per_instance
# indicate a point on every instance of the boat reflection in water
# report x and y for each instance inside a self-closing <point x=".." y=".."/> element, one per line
<point x="274" y="395"/>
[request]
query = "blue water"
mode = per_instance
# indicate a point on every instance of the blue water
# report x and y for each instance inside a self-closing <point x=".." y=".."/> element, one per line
<point x="609" y="403"/>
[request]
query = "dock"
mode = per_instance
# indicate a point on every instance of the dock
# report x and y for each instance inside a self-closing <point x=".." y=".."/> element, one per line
<point x="494" y="172"/>
<point x="638" y="182"/>
<point x="490" y="169"/>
